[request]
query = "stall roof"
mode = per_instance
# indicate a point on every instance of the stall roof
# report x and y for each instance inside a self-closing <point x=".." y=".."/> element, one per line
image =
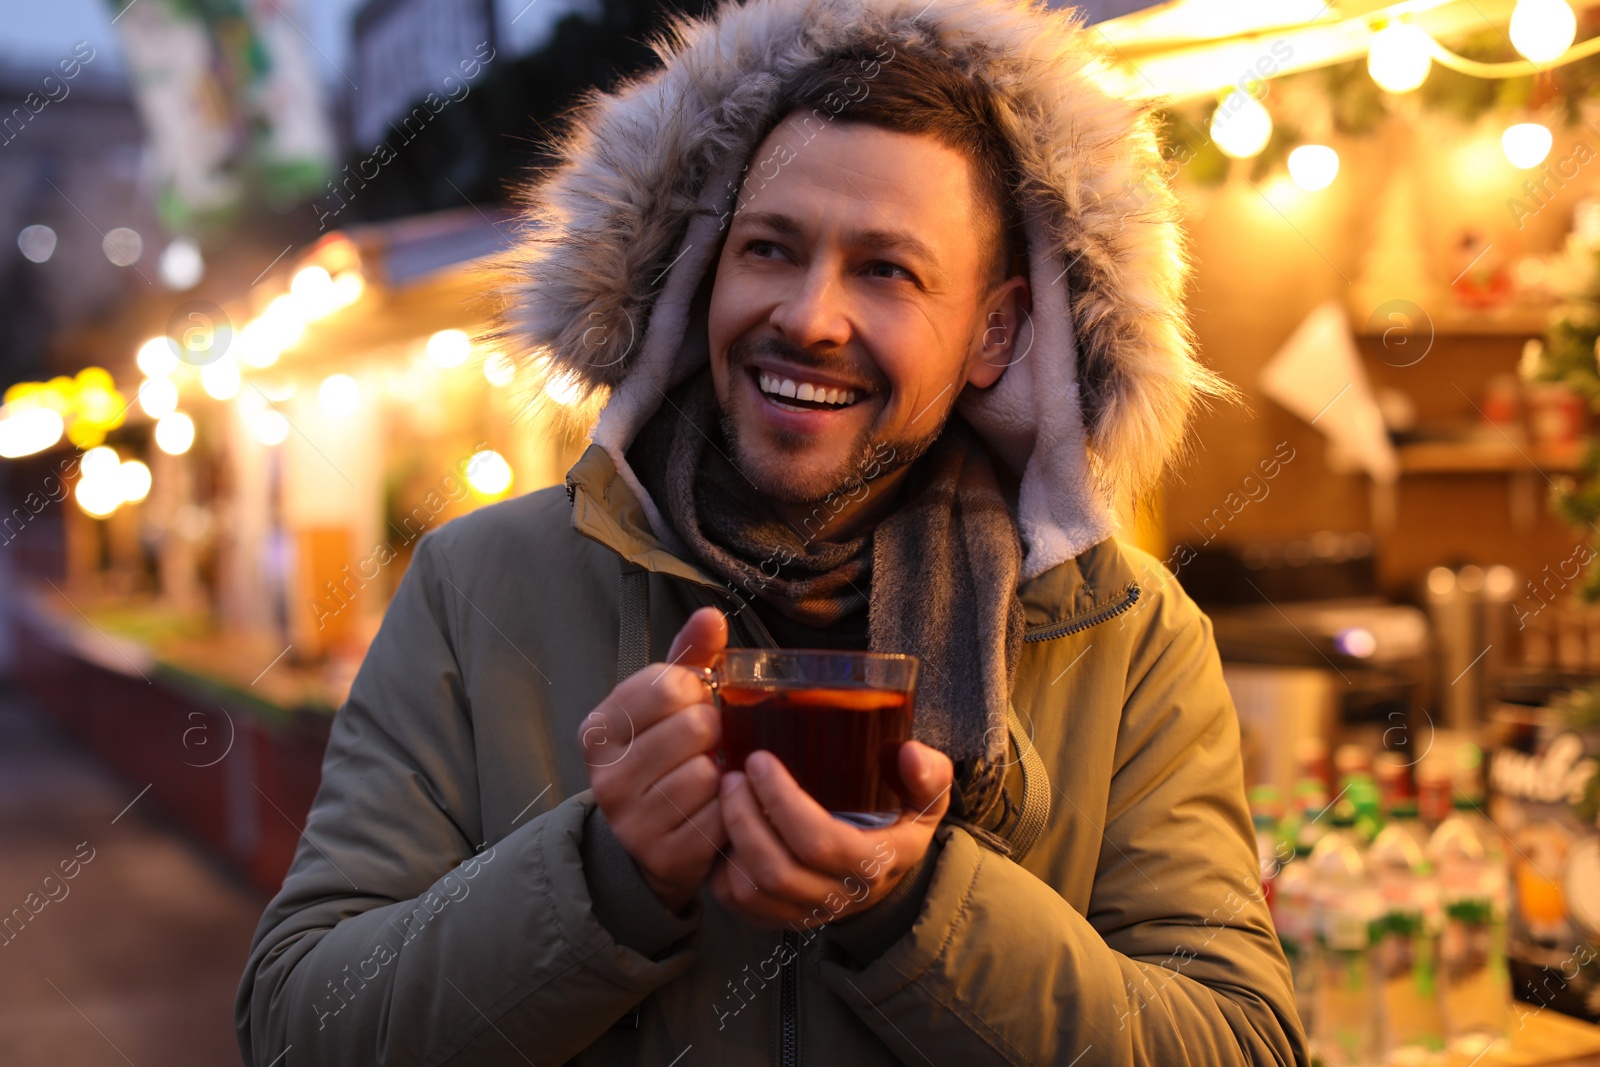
<point x="405" y="251"/>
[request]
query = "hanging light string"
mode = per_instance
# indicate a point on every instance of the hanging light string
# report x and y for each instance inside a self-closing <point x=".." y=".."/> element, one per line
<point x="1516" y="68"/>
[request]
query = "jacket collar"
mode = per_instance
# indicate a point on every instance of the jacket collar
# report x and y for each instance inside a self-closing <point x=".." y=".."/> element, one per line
<point x="1097" y="584"/>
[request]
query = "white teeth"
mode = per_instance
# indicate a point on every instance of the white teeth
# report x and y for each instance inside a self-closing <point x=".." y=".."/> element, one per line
<point x="773" y="385"/>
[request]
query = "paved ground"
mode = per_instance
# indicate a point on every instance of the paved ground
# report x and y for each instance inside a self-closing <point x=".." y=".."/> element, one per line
<point x="137" y="959"/>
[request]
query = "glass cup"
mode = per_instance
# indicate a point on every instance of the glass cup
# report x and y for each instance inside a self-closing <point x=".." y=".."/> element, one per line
<point x="836" y="719"/>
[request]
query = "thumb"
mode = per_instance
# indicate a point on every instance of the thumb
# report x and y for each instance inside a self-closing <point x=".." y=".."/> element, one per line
<point x="702" y="637"/>
<point x="927" y="774"/>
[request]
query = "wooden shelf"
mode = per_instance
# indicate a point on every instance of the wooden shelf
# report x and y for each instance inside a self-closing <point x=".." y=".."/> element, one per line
<point x="1483" y="457"/>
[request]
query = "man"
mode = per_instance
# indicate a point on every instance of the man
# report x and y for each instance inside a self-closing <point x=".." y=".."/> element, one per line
<point x="880" y="306"/>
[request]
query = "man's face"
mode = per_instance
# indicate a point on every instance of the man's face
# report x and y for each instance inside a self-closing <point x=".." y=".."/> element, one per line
<point x="847" y="310"/>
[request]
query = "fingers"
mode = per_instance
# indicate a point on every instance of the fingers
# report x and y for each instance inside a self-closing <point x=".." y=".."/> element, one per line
<point x="670" y="801"/>
<point x="640" y="702"/>
<point x="702" y="637"/>
<point x="765" y="876"/>
<point x="801" y="824"/>
<point x="624" y="766"/>
<point x="678" y="863"/>
<point x="696" y="842"/>
<point x="927" y="774"/>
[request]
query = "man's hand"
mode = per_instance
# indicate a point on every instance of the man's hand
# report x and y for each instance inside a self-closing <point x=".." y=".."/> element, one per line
<point x="792" y="862"/>
<point x="650" y="747"/>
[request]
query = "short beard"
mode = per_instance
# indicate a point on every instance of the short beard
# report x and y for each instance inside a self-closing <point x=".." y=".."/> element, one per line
<point x="872" y="461"/>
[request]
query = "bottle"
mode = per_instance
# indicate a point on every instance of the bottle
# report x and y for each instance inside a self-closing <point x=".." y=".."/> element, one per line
<point x="1433" y="795"/>
<point x="1474" y="890"/>
<point x="1293" y="913"/>
<point x="1266" y="805"/>
<point x="1406" y="941"/>
<point x="1303" y="825"/>
<point x="1267" y="854"/>
<point x="1346" y="906"/>
<point x="1393" y="776"/>
<point x="1363" y="794"/>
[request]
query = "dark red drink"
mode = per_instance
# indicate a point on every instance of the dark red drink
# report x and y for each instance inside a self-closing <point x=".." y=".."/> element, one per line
<point x="841" y="743"/>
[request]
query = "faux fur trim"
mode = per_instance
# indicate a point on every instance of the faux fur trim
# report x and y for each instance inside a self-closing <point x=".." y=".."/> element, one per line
<point x="617" y="237"/>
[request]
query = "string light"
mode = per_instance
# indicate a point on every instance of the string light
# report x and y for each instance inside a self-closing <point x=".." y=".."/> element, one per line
<point x="1542" y="29"/>
<point x="133" y="481"/>
<point x="339" y="394"/>
<point x="348" y="285"/>
<point x="24" y="431"/>
<point x="175" y="434"/>
<point x="449" y="348"/>
<point x="101" y="462"/>
<point x="220" y="378"/>
<point x="489" y="473"/>
<point x="1240" y="126"/>
<point x="1313" y="166"/>
<point x="158" y="397"/>
<point x="158" y="357"/>
<point x="270" y="426"/>
<point x="1526" y="144"/>
<point x="1399" y="57"/>
<point x="98" y="497"/>
<point x="498" y="369"/>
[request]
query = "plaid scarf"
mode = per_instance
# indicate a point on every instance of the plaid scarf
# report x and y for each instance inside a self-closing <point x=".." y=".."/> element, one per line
<point x="938" y="575"/>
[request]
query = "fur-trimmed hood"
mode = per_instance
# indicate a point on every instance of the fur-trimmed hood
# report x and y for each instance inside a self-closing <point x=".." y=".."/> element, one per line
<point x="620" y="234"/>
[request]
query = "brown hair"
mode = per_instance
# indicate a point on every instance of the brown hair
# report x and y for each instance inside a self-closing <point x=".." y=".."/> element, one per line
<point x="913" y="93"/>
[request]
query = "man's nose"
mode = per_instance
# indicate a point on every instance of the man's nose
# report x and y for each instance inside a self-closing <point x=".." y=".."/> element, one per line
<point x="813" y="313"/>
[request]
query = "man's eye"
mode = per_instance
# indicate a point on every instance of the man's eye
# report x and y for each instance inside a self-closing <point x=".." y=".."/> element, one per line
<point x="882" y="265"/>
<point x="757" y="245"/>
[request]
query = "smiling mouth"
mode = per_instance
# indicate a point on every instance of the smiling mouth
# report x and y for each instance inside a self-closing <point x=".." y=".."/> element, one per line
<point x="799" y="395"/>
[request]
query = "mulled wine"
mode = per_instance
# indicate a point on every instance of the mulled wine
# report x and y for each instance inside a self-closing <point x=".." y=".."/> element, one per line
<point x="836" y="720"/>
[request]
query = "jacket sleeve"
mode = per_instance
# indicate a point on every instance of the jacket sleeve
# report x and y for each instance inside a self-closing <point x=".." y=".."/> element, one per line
<point x="1176" y="962"/>
<point x="400" y="937"/>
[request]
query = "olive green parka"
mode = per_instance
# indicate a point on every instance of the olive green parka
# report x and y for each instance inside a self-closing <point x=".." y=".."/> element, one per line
<point x="457" y="897"/>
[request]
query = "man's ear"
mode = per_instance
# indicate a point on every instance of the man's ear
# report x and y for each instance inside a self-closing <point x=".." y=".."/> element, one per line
<point x="1006" y="312"/>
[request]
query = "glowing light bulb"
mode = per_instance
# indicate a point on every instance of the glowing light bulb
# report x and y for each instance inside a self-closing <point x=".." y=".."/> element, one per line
<point x="158" y="357"/>
<point x="348" y="285"/>
<point x="133" y="481"/>
<point x="220" y="378"/>
<point x="1240" y="126"/>
<point x="101" y="462"/>
<point x="449" y="348"/>
<point x="563" y="389"/>
<point x="98" y="497"/>
<point x="1313" y="166"/>
<point x="29" y="430"/>
<point x="313" y="292"/>
<point x="181" y="265"/>
<point x="175" y="434"/>
<point x="489" y="473"/>
<point x="1542" y="29"/>
<point x="270" y="427"/>
<point x="498" y="369"/>
<point x="158" y="397"/>
<point x="1526" y="144"/>
<point x="339" y="394"/>
<point x="1399" y="57"/>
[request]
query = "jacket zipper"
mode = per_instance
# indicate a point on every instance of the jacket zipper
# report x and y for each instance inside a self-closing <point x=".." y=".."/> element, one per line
<point x="789" y="1004"/>
<point x="1110" y="611"/>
